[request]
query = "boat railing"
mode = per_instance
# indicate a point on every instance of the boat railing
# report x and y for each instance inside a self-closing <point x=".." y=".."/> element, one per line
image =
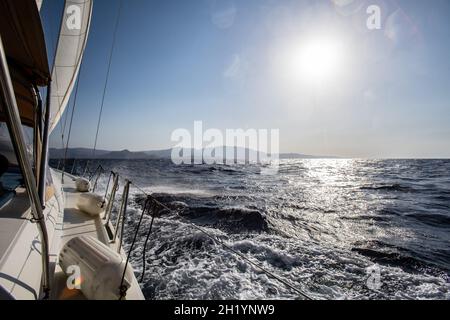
<point x="152" y="207"/>
<point x="35" y="189"/>
<point x="116" y="231"/>
<point x="121" y="217"/>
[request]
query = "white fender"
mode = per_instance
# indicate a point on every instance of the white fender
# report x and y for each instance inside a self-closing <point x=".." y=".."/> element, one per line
<point x="91" y="203"/>
<point x="82" y="185"/>
<point x="100" y="267"/>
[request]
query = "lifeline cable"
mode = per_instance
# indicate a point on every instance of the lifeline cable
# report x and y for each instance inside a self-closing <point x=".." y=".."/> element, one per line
<point x="153" y="209"/>
<point x="123" y="289"/>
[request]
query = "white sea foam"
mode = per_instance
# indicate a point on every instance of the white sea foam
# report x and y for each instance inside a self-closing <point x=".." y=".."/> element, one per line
<point x="174" y="190"/>
<point x="318" y="213"/>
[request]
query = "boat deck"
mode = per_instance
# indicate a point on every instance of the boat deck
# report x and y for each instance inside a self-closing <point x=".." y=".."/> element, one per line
<point x="14" y="214"/>
<point x="77" y="223"/>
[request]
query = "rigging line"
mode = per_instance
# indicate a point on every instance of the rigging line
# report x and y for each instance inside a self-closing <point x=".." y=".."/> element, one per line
<point x="221" y="242"/>
<point x="107" y="76"/>
<point x="144" y="250"/>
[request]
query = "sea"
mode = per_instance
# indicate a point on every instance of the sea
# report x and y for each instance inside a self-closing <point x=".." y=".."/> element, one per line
<point x="331" y="228"/>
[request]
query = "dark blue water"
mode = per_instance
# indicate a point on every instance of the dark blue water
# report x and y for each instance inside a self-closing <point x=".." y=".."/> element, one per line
<point x="317" y="223"/>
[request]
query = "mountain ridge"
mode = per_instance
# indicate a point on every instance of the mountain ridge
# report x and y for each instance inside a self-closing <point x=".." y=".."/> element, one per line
<point x="87" y="153"/>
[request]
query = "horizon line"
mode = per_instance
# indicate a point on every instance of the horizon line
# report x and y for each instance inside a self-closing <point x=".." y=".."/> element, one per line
<point x="329" y="157"/>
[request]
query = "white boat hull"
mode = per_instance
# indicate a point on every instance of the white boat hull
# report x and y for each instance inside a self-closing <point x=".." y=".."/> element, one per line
<point x="21" y="262"/>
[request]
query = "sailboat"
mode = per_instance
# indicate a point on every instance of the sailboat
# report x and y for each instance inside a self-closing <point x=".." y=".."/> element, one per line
<point x="56" y="236"/>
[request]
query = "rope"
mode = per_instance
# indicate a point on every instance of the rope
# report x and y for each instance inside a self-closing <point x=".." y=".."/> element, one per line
<point x="224" y="245"/>
<point x="123" y="289"/>
<point x="144" y="250"/>
<point x="107" y="77"/>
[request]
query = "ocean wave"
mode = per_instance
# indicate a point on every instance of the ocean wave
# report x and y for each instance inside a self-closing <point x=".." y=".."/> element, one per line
<point x="205" y="211"/>
<point x="407" y="259"/>
<point x="389" y="187"/>
<point x="430" y="218"/>
<point x="276" y="258"/>
<point x="306" y="224"/>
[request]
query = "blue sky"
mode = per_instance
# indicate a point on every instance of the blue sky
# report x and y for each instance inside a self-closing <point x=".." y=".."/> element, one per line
<point x="231" y="64"/>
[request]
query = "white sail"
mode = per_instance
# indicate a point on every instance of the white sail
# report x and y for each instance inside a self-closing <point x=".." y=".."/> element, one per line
<point x="39" y="4"/>
<point x="69" y="53"/>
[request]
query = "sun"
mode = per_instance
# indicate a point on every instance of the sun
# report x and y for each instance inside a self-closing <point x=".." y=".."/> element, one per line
<point x="319" y="59"/>
<point x="316" y="60"/>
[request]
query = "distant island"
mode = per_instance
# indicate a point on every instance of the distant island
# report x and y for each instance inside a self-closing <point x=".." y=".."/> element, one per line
<point x="87" y="153"/>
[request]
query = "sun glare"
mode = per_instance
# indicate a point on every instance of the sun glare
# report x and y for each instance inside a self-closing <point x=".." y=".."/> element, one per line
<point x="316" y="61"/>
